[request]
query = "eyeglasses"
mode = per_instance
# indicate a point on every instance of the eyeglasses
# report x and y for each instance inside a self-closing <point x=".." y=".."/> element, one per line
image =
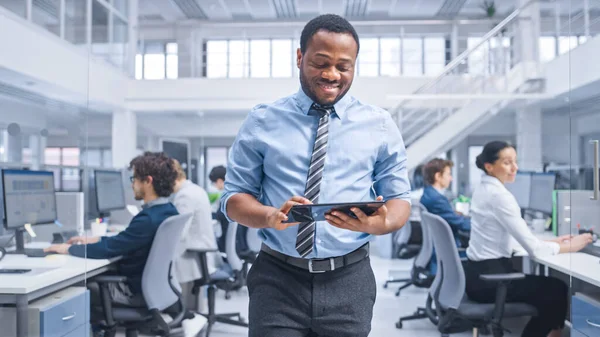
<point x="132" y="178"/>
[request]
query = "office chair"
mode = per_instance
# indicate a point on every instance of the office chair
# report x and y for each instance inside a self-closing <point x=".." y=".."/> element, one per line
<point x="421" y="277"/>
<point x="160" y="289"/>
<point x="402" y="249"/>
<point x="227" y="278"/>
<point x="456" y="313"/>
<point x="419" y="274"/>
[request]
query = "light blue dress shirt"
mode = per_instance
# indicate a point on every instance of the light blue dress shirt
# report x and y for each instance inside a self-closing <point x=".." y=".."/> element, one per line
<point x="271" y="154"/>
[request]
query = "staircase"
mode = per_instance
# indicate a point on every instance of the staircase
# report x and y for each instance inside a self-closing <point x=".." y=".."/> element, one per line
<point x="478" y="84"/>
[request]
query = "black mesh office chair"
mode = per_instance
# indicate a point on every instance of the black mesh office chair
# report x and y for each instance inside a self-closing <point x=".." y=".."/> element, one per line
<point x="227" y="278"/>
<point x="160" y="288"/>
<point x="455" y="311"/>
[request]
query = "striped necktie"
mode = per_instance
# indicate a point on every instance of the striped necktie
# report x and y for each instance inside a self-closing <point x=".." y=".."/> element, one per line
<point x="306" y="230"/>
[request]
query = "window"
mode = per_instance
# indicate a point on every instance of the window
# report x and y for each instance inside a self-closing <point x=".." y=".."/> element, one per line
<point x="239" y="58"/>
<point x="566" y="43"/>
<point x="52" y="156"/>
<point x="260" y="58"/>
<point x="390" y="56"/>
<point x="157" y="60"/>
<point x="412" y="57"/>
<point x="435" y="55"/>
<point x="368" y="59"/>
<point x="282" y="58"/>
<point x="70" y="156"/>
<point x="547" y="49"/>
<point x="477" y="60"/>
<point x="216" y="59"/>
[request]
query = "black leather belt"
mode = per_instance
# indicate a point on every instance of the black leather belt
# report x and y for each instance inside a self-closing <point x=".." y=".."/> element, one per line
<point x="320" y="265"/>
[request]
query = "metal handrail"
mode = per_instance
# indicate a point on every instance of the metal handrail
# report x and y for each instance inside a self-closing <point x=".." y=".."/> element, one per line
<point x="465" y="54"/>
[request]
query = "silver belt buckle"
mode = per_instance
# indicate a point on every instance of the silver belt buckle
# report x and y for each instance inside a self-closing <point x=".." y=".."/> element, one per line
<point x="310" y="266"/>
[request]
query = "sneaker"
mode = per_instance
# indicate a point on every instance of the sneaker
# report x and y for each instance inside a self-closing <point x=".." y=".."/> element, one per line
<point x="192" y="327"/>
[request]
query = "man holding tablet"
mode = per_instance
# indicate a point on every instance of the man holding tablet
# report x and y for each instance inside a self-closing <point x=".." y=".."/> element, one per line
<point x="314" y="147"/>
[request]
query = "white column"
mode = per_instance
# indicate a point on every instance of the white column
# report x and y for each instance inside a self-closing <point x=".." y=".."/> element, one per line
<point x="454" y="42"/>
<point x="124" y="138"/>
<point x="529" y="138"/>
<point x="528" y="33"/>
<point x="35" y="147"/>
<point x="133" y="31"/>
<point x="13" y="147"/>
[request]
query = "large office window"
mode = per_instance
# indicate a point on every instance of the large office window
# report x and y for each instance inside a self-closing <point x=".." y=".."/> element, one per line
<point x="281" y="58"/>
<point x="260" y="58"/>
<point x="412" y="57"/>
<point x="157" y="60"/>
<point x="547" y="48"/>
<point x="239" y="59"/>
<point x="390" y="56"/>
<point x="368" y="59"/>
<point x="566" y="43"/>
<point x="217" y="58"/>
<point x="435" y="55"/>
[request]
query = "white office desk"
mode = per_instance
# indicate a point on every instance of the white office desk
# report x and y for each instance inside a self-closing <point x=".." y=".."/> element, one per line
<point x="49" y="274"/>
<point x="582" y="266"/>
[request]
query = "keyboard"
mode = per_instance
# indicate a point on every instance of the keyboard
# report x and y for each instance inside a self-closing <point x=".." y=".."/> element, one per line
<point x="36" y="252"/>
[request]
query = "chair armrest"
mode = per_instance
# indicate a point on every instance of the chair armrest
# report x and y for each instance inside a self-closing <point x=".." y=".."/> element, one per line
<point x="109" y="279"/>
<point x="203" y="250"/>
<point x="502" y="277"/>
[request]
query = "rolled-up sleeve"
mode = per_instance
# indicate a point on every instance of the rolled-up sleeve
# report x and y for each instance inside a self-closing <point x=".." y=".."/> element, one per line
<point x="391" y="174"/>
<point x="245" y="164"/>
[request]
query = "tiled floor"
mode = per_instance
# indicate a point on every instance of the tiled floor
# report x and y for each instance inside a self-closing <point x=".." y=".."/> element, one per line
<point x="387" y="309"/>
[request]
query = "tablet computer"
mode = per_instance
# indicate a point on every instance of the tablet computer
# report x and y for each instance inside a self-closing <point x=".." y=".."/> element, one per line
<point x="316" y="212"/>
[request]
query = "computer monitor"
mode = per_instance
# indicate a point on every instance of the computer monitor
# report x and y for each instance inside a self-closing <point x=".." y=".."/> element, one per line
<point x="521" y="189"/>
<point x="542" y="187"/>
<point x="110" y="193"/>
<point x="28" y="199"/>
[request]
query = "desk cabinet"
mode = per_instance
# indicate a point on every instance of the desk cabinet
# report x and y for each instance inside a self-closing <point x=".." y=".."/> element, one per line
<point x="65" y="313"/>
<point x="586" y="315"/>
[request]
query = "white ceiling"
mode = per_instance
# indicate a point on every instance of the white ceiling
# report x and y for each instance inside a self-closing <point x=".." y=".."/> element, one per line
<point x="157" y="11"/>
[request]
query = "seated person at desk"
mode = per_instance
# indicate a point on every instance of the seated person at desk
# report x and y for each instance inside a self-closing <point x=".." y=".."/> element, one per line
<point x="152" y="181"/>
<point x="495" y="218"/>
<point x="438" y="176"/>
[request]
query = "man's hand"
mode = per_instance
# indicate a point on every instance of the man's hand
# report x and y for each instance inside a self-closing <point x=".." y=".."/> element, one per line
<point x="375" y="224"/>
<point x="62" y="248"/>
<point x="275" y="218"/>
<point x="83" y="240"/>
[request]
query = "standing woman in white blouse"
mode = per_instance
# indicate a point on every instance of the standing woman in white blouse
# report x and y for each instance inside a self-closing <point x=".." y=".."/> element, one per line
<point x="495" y="218"/>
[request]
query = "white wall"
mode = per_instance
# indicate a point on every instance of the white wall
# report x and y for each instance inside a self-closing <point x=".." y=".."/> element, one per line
<point x="37" y="53"/>
<point x="201" y="94"/>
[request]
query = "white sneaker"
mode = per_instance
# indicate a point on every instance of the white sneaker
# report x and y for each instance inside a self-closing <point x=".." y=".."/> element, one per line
<point x="193" y="326"/>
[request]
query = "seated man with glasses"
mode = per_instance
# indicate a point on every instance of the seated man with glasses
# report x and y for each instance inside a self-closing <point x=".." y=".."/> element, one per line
<point x="152" y="181"/>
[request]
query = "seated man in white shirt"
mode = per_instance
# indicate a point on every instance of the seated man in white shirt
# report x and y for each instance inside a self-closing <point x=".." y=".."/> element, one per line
<point x="495" y="219"/>
<point x="191" y="198"/>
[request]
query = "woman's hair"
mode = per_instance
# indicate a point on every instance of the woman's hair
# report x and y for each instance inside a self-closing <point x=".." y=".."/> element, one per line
<point x="491" y="153"/>
<point x="433" y="167"/>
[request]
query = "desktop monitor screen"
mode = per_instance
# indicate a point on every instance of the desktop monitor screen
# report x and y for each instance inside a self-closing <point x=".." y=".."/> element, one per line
<point x="521" y="188"/>
<point x="542" y="187"/>
<point x="28" y="198"/>
<point x="110" y="193"/>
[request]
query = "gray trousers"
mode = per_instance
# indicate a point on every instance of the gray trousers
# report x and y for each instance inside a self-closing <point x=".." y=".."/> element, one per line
<point x="287" y="301"/>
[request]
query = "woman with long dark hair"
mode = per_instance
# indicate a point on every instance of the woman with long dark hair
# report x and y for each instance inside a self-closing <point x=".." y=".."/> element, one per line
<point x="495" y="219"/>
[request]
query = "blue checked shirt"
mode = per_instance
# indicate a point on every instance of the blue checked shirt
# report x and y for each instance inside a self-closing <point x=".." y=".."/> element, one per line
<point x="271" y="154"/>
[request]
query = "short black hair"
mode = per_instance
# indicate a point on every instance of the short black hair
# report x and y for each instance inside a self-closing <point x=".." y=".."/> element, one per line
<point x="327" y="22"/>
<point x="160" y="167"/>
<point x="491" y="153"/>
<point x="217" y="172"/>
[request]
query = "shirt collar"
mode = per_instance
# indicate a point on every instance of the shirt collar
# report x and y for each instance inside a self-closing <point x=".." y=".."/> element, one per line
<point x="491" y="180"/>
<point x="156" y="202"/>
<point x="304" y="103"/>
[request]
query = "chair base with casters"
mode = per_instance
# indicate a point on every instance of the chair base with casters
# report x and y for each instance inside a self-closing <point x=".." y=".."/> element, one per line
<point x="225" y="279"/>
<point x="419" y="277"/>
<point x="420" y="313"/>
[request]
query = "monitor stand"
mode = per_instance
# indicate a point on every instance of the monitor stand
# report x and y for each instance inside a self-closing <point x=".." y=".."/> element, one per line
<point x="20" y="241"/>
